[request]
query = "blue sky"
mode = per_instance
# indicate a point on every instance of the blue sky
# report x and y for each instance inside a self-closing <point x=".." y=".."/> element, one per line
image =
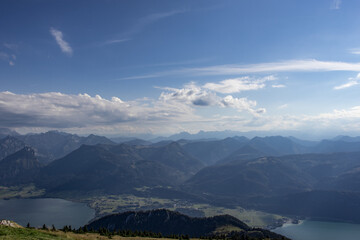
<point x="161" y="67"/>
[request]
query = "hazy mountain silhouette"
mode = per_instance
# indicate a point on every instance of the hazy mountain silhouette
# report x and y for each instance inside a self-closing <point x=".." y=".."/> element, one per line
<point x="19" y="168"/>
<point x="10" y="145"/>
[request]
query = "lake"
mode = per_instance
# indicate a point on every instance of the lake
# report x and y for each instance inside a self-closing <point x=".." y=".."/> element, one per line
<point x="316" y="230"/>
<point x="46" y="211"/>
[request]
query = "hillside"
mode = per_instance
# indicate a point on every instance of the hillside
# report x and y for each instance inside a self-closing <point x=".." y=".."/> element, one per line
<point x="117" y="168"/>
<point x="212" y="151"/>
<point x="168" y="222"/>
<point x="276" y="184"/>
<point x="10" y="233"/>
<point x="19" y="168"/>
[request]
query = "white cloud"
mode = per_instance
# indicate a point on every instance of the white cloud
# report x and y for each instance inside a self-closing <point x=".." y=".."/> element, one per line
<point x="115" y="41"/>
<point x="59" y="38"/>
<point x="174" y="111"/>
<point x="192" y="94"/>
<point x="278" y="86"/>
<point x="347" y="85"/>
<point x="283" y="106"/>
<point x="63" y="110"/>
<point x="238" y="84"/>
<point x="242" y="104"/>
<point x="335" y="4"/>
<point x="271" y="67"/>
<point x="352" y="82"/>
<point x="150" y="19"/>
<point x="355" y="51"/>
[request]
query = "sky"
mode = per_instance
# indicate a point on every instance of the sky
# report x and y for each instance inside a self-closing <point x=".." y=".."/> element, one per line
<point x="163" y="67"/>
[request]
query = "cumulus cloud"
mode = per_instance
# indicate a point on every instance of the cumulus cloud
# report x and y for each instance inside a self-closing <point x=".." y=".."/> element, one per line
<point x="238" y="84"/>
<point x="199" y="96"/>
<point x="59" y="38"/>
<point x="352" y="82"/>
<point x="242" y="104"/>
<point x="174" y="111"/>
<point x="58" y="110"/>
<point x="85" y="113"/>
<point x="190" y="94"/>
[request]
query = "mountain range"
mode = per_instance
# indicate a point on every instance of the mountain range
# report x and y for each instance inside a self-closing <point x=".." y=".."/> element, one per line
<point x="265" y="173"/>
<point x="118" y="168"/>
<point x="48" y="146"/>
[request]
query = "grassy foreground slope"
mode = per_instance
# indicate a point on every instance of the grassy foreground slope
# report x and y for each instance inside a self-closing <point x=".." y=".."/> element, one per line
<point x="11" y="233"/>
<point x="37" y="234"/>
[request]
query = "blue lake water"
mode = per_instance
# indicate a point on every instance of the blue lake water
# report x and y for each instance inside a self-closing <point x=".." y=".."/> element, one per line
<point x="316" y="230"/>
<point x="46" y="211"/>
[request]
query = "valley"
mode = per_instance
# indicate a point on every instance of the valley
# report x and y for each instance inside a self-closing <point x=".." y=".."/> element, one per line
<point x="263" y="182"/>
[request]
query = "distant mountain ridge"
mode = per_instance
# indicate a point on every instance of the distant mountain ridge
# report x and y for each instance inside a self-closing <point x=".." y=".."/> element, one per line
<point x="4" y="132"/>
<point x="50" y="145"/>
<point x="10" y="145"/>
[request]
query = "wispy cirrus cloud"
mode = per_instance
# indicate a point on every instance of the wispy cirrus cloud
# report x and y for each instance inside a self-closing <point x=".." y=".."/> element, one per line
<point x="278" y="86"/>
<point x="283" y="106"/>
<point x="239" y="84"/>
<point x="355" y="51"/>
<point x="335" y="4"/>
<point x="116" y="41"/>
<point x="11" y="46"/>
<point x="352" y="82"/>
<point x="271" y="67"/>
<point x="150" y="19"/>
<point x="59" y="38"/>
<point x="9" y="58"/>
<point x="141" y="24"/>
